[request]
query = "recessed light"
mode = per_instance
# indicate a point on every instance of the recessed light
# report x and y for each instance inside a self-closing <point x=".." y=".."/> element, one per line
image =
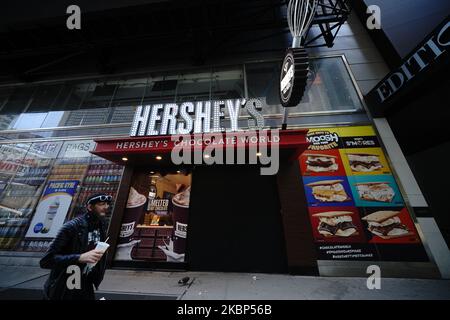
<point x="124" y="159"/>
<point x="158" y="158"/>
<point x="178" y="171"/>
<point x="152" y="172"/>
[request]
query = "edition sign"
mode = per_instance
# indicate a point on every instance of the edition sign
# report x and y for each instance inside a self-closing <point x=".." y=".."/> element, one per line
<point x="198" y="117"/>
<point x="432" y="49"/>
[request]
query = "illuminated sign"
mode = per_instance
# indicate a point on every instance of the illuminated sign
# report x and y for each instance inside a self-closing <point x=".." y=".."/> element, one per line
<point x="194" y="117"/>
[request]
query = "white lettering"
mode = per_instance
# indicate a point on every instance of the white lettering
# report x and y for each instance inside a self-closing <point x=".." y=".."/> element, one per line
<point x="74" y="280"/>
<point x="444" y="29"/>
<point x="286" y="81"/>
<point x="74" y="20"/>
<point x="374" y="280"/>
<point x="374" y="21"/>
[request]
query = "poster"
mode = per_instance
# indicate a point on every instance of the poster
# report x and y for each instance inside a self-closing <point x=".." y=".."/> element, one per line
<point x="3" y="185"/>
<point x="52" y="209"/>
<point x="355" y="206"/>
<point x="77" y="149"/>
<point x="155" y="222"/>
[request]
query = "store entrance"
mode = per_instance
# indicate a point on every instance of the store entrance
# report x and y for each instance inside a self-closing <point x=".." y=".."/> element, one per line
<point x="235" y="223"/>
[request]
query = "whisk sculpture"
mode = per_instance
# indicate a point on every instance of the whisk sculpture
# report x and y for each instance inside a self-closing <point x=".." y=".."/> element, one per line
<point x="294" y="71"/>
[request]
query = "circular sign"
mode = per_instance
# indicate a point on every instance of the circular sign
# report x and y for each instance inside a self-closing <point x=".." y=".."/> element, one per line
<point x="293" y="76"/>
<point x="38" y="227"/>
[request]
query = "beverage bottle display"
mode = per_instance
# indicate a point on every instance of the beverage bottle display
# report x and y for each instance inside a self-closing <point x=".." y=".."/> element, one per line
<point x="50" y="216"/>
<point x="151" y="194"/>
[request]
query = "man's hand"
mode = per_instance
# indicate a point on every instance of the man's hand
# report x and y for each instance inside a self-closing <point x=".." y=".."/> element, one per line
<point x="92" y="256"/>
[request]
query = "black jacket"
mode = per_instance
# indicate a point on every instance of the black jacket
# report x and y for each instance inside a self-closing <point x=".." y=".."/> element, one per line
<point x="65" y="250"/>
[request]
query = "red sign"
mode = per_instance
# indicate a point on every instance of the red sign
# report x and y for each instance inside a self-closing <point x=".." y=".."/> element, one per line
<point x="293" y="139"/>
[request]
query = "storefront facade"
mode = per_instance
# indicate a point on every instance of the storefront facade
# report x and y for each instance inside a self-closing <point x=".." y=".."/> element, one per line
<point x="333" y="207"/>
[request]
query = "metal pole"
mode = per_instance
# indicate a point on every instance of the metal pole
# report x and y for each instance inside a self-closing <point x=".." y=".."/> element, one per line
<point x="285" y="117"/>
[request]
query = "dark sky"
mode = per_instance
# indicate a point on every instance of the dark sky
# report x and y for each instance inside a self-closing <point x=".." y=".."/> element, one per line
<point x="26" y="10"/>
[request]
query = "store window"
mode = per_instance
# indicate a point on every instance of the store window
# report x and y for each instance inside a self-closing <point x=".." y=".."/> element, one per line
<point x="14" y="196"/>
<point x="46" y="184"/>
<point x="128" y="95"/>
<point x="15" y="104"/>
<point x="5" y="119"/>
<point x="155" y="222"/>
<point x="329" y="87"/>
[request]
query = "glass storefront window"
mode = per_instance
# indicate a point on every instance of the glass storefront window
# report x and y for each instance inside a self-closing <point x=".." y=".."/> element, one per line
<point x="161" y="89"/>
<point x="228" y="83"/>
<point x="129" y="94"/>
<point x="13" y="204"/>
<point x="18" y="100"/>
<point x="29" y="120"/>
<point x="154" y="225"/>
<point x="46" y="184"/>
<point x="43" y="98"/>
<point x="329" y="87"/>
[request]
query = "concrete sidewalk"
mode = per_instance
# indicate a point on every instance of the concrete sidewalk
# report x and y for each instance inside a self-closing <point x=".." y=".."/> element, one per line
<point x="26" y="282"/>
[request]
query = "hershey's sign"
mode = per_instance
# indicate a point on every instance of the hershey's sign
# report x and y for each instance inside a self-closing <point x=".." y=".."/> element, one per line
<point x="194" y="117"/>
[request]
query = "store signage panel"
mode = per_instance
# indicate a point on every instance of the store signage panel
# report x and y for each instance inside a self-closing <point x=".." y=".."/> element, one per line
<point x="77" y="149"/>
<point x="426" y="55"/>
<point x="194" y="117"/>
<point x="293" y="139"/>
<point x="52" y="209"/>
<point x="355" y="206"/>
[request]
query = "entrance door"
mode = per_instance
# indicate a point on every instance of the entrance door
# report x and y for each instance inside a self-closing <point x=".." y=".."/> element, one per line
<point x="234" y="221"/>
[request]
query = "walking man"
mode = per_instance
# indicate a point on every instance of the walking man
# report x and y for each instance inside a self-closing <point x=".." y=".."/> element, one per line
<point x="75" y="246"/>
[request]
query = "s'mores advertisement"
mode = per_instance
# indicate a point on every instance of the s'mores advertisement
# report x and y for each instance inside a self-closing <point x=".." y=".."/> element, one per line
<point x="389" y="225"/>
<point x="364" y="161"/>
<point x="322" y="163"/>
<point x="327" y="191"/>
<point x="342" y="224"/>
<point x="375" y="191"/>
<point x="355" y="206"/>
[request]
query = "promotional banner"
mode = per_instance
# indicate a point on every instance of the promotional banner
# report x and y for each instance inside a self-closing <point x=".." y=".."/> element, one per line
<point x="355" y="206"/>
<point x="52" y="209"/>
<point x="155" y="222"/>
<point x="77" y="149"/>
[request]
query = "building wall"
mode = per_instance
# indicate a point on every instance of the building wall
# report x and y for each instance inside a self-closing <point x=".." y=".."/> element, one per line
<point x="368" y="68"/>
<point x="364" y="59"/>
<point x="433" y="240"/>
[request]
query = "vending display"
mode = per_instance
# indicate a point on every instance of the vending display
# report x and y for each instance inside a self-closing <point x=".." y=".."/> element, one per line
<point x="102" y="176"/>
